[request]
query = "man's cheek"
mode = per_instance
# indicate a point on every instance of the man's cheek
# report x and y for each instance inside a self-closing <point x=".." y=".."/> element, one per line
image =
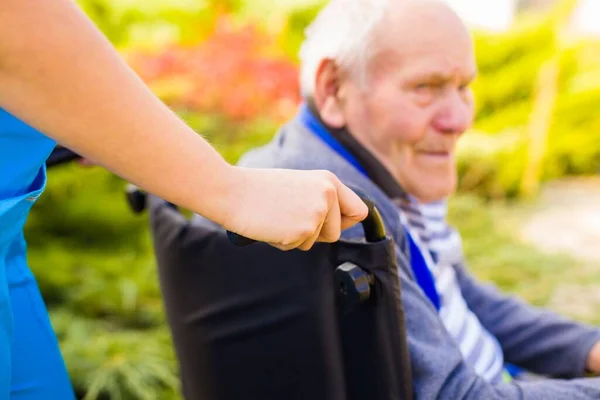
<point x="409" y="129"/>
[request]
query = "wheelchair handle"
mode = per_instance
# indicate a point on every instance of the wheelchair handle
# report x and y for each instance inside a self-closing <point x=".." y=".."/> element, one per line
<point x="373" y="225"/>
<point x="61" y="155"/>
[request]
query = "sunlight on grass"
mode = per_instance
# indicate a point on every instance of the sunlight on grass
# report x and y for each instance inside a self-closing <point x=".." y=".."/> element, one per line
<point x="495" y="254"/>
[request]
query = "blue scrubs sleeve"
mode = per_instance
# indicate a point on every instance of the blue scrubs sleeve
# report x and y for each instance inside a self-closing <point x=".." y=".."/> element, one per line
<point x="31" y="366"/>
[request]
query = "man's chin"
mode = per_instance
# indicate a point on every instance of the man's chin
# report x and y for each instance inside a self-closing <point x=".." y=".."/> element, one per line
<point x="432" y="193"/>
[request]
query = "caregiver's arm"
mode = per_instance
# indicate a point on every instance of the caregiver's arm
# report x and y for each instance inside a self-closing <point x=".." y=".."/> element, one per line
<point x="59" y="74"/>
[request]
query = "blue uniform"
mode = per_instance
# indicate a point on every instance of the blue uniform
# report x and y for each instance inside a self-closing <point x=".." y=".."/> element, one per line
<point x="31" y="366"/>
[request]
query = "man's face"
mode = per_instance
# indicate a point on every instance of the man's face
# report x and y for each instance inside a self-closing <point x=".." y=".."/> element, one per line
<point x="418" y="102"/>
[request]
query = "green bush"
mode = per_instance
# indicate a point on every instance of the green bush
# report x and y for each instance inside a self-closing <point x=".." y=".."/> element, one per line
<point x="109" y="362"/>
<point x="93" y="261"/>
<point x="494" y="156"/>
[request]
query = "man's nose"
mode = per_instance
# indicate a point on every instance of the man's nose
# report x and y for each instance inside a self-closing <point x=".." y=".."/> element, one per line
<point x="455" y="116"/>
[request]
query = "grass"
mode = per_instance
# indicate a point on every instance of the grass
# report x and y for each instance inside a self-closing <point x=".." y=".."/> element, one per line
<point x="495" y="254"/>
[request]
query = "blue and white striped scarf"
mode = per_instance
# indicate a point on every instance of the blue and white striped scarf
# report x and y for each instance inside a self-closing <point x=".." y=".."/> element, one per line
<point x="441" y="246"/>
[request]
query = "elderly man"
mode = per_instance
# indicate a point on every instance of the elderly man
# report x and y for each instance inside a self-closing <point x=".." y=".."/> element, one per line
<point x="387" y="95"/>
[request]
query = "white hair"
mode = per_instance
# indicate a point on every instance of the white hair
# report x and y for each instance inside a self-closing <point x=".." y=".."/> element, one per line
<point x="342" y="32"/>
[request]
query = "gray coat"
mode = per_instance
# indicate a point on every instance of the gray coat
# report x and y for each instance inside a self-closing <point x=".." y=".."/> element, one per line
<point x="534" y="339"/>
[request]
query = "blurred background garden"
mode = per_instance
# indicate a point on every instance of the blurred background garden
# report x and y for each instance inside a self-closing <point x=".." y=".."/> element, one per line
<point x="529" y="195"/>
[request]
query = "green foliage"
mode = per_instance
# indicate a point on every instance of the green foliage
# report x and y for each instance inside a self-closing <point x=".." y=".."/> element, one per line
<point x="508" y="65"/>
<point x="493" y="156"/>
<point x="106" y="361"/>
<point x="93" y="261"/>
<point x="297" y="21"/>
<point x="113" y="23"/>
<point x="153" y="23"/>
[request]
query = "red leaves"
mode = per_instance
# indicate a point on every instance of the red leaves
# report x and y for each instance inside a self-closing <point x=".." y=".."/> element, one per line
<point x="238" y="73"/>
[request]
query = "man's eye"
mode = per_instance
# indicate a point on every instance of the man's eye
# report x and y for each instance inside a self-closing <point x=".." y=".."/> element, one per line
<point x="426" y="92"/>
<point x="421" y="86"/>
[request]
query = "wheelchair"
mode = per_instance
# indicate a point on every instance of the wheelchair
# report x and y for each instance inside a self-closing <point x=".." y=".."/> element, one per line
<point x="249" y="321"/>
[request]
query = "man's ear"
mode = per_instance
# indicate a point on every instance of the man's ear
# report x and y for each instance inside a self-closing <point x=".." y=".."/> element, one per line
<point x="326" y="96"/>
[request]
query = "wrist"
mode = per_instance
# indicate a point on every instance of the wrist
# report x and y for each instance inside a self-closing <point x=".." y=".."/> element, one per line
<point x="213" y="198"/>
<point x="227" y="192"/>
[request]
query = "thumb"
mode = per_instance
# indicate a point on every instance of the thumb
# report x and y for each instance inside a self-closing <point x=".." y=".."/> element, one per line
<point x="352" y="208"/>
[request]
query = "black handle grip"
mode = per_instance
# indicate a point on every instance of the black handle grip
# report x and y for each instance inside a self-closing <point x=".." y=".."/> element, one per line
<point x="61" y="155"/>
<point x="372" y="225"/>
<point x="239" y="240"/>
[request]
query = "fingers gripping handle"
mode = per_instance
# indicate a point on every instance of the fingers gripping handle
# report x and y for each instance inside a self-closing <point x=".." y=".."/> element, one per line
<point x="372" y="225"/>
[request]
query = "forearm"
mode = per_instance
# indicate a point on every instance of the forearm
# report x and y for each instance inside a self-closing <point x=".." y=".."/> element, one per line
<point x="60" y="75"/>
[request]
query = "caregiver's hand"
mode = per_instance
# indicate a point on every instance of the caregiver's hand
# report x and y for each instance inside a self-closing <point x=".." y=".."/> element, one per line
<point x="61" y="76"/>
<point x="291" y="209"/>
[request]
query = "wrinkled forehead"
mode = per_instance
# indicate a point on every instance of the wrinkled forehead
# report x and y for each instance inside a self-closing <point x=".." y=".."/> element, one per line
<point x="426" y="36"/>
